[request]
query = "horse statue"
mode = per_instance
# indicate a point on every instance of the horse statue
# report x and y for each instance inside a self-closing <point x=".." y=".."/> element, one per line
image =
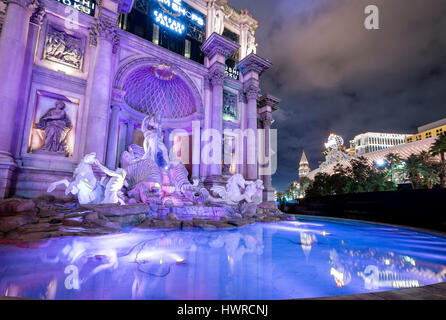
<point x="84" y="184"/>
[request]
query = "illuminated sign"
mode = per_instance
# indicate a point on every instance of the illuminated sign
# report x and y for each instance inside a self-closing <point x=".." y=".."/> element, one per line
<point x="84" y="6"/>
<point x="168" y="22"/>
<point x="232" y="72"/>
<point x="174" y="15"/>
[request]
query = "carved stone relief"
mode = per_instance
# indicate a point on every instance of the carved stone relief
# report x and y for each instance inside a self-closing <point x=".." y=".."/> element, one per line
<point x="60" y="47"/>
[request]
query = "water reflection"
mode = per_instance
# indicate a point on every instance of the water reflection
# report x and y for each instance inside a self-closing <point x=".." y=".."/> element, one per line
<point x="264" y="261"/>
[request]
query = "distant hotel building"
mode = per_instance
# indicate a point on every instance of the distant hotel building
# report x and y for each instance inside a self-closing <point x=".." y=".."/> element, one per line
<point x="429" y="130"/>
<point x="372" y="142"/>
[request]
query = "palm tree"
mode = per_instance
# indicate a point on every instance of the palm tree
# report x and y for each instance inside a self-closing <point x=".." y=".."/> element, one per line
<point x="413" y="168"/>
<point x="394" y="166"/>
<point x="439" y="149"/>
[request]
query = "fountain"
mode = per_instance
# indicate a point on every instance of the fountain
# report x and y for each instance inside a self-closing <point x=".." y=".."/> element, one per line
<point x="149" y="177"/>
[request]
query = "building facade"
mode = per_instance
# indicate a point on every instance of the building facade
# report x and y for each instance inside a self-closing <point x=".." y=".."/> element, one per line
<point x="79" y="77"/>
<point x="343" y="157"/>
<point x="373" y="141"/>
<point x="428" y="131"/>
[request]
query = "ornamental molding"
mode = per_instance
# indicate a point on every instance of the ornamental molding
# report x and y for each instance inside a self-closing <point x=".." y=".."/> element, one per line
<point x="252" y="92"/>
<point x="268" y="100"/>
<point x="218" y="45"/>
<point x="26" y="4"/>
<point x="38" y="14"/>
<point x="217" y="79"/>
<point x="59" y="80"/>
<point x="253" y="63"/>
<point x="127" y="68"/>
<point x="239" y="17"/>
<point x="105" y="28"/>
<point x="63" y="48"/>
<point x="217" y="74"/>
<point x="118" y="96"/>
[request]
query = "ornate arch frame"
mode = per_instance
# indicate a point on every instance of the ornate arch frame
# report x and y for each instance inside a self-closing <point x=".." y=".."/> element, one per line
<point x="135" y="63"/>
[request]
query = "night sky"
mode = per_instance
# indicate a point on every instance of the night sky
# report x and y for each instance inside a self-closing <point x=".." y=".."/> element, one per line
<point x="333" y="75"/>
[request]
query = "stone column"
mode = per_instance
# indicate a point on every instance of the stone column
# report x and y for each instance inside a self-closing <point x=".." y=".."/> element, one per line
<point x="267" y="105"/>
<point x="103" y="35"/>
<point x="251" y="68"/>
<point x="12" y="56"/>
<point x="113" y="130"/>
<point x="129" y="134"/>
<point x="207" y="124"/>
<point x="252" y="93"/>
<point x="217" y="80"/>
<point x="196" y="149"/>
<point x="217" y="49"/>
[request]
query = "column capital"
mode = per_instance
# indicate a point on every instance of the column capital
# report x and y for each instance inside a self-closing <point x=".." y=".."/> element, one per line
<point x="105" y="27"/>
<point x="253" y="63"/>
<point x="118" y="96"/>
<point x="218" y="45"/>
<point x="251" y="89"/>
<point x="26" y="4"/>
<point x="217" y="74"/>
<point x="38" y="14"/>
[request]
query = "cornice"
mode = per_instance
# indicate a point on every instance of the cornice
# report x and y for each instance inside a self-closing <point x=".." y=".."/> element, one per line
<point x="268" y="100"/>
<point x="216" y="44"/>
<point x="253" y="63"/>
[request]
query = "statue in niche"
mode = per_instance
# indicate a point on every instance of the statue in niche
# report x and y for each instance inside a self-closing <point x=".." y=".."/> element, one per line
<point x="252" y="45"/>
<point x="56" y="124"/>
<point x="219" y="22"/>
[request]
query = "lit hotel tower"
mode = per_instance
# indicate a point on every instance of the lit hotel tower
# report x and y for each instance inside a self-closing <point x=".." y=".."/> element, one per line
<point x="304" y="166"/>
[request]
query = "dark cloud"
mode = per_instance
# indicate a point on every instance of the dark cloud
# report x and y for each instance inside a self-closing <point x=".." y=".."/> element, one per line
<point x="333" y="75"/>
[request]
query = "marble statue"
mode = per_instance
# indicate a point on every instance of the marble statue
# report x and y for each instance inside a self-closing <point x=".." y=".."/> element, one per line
<point x="179" y="177"/>
<point x="140" y="170"/>
<point x="84" y="184"/>
<point x="112" y="193"/>
<point x="154" y="147"/>
<point x="63" y="48"/>
<point x="151" y="175"/>
<point x="56" y="124"/>
<point x="254" y="191"/>
<point x="252" y="45"/>
<point x="238" y="190"/>
<point x="219" y="22"/>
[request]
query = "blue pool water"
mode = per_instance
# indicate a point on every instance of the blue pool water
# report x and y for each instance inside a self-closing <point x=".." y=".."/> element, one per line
<point x="310" y="258"/>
